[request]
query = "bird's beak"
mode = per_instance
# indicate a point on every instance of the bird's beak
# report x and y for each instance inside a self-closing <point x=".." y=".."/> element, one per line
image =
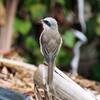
<point x="41" y="21"/>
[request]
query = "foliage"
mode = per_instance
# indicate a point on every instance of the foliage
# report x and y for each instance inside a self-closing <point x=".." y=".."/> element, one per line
<point x="91" y="23"/>
<point x="32" y="46"/>
<point x="68" y="39"/>
<point x="98" y="25"/>
<point x="37" y="11"/>
<point x="63" y="58"/>
<point x="22" y="26"/>
<point x="96" y="72"/>
<point x="62" y="2"/>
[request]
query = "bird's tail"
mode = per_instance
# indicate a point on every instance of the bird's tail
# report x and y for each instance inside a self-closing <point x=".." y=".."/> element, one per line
<point x="50" y="72"/>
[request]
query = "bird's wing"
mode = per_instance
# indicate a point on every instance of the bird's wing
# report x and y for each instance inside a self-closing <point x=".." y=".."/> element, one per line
<point x="45" y="52"/>
<point x="45" y="48"/>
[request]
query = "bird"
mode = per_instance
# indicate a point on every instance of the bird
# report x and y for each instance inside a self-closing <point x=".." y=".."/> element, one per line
<point x="50" y="44"/>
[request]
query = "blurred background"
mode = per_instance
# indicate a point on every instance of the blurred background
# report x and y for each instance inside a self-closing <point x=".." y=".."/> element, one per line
<point x="20" y="30"/>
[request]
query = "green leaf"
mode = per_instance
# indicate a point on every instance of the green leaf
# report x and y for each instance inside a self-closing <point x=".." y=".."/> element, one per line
<point x="90" y="32"/>
<point x="62" y="2"/>
<point x="63" y="58"/>
<point x="98" y="19"/>
<point x="22" y="26"/>
<point x="98" y="25"/>
<point x="98" y="30"/>
<point x="30" y="43"/>
<point x="69" y="39"/>
<point x="96" y="71"/>
<point x="37" y="11"/>
<point x="30" y="3"/>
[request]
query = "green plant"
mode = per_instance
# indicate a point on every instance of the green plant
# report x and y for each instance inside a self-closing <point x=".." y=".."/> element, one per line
<point x="22" y="26"/>
<point x="96" y="72"/>
<point x="33" y="47"/>
<point x="68" y="39"/>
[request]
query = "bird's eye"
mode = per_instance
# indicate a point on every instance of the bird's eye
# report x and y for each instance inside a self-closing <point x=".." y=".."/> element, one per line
<point x="46" y="22"/>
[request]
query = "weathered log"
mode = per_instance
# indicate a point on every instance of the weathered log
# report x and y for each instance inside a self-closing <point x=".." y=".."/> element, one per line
<point x="64" y="87"/>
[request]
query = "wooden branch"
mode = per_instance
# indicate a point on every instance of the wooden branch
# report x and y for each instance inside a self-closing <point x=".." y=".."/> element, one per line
<point x="19" y="66"/>
<point x="65" y="88"/>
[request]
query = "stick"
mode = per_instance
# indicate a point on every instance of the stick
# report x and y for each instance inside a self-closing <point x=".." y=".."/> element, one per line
<point x="19" y="66"/>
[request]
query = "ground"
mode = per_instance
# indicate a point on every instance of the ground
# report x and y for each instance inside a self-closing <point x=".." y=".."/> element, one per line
<point x="21" y="80"/>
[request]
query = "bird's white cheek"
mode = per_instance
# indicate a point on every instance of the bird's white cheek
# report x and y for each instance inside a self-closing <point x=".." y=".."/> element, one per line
<point x="45" y="26"/>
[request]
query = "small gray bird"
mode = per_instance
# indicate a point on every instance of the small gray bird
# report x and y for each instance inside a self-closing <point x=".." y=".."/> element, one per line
<point x="50" y="43"/>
